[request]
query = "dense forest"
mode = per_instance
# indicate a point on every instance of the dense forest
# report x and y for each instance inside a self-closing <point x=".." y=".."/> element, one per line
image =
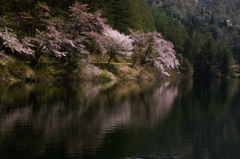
<point x="207" y="24"/>
<point x="205" y="34"/>
<point x="120" y="14"/>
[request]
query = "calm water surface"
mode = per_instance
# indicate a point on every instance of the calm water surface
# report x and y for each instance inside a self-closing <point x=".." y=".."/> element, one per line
<point x="188" y="119"/>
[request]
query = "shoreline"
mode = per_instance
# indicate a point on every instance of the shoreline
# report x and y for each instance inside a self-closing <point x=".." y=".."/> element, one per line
<point x="94" y="72"/>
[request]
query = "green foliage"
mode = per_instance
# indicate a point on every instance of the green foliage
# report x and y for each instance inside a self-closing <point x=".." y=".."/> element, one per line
<point x="147" y="20"/>
<point x="185" y="66"/>
<point x="3" y="70"/>
<point x="224" y="58"/>
<point x="119" y="59"/>
<point x="19" y="69"/>
<point x="187" y="52"/>
<point x="46" y="69"/>
<point x="124" y="14"/>
<point x="112" y="67"/>
<point x="171" y="29"/>
<point x="198" y="41"/>
<point x="105" y="76"/>
<point x="208" y="52"/>
<point x="4" y="6"/>
<point x="201" y="51"/>
<point x="218" y="17"/>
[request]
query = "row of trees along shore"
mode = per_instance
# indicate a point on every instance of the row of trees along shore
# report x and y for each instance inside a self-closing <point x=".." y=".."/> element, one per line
<point x="198" y="51"/>
<point x="44" y="32"/>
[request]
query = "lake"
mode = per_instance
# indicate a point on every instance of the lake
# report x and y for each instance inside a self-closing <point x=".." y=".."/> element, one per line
<point x="187" y="119"/>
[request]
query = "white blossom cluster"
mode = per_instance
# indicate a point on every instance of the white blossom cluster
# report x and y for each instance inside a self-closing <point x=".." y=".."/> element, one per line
<point x="10" y="41"/>
<point x="117" y="43"/>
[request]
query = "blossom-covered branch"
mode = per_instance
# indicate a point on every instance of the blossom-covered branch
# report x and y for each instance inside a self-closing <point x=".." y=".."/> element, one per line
<point x="117" y="43"/>
<point x="82" y="24"/>
<point x="10" y="41"/>
<point x="158" y="52"/>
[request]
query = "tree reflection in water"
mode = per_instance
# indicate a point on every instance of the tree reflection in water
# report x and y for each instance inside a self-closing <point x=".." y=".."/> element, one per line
<point x="193" y="118"/>
<point x="79" y="116"/>
<point x="186" y="119"/>
<point x="203" y="123"/>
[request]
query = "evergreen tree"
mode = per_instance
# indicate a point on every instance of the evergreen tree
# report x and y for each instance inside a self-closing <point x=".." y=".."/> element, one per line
<point x="209" y="51"/>
<point x="202" y="13"/>
<point x="126" y="15"/>
<point x="171" y="29"/>
<point x="193" y="20"/>
<point x="133" y="14"/>
<point x="187" y="53"/>
<point x="147" y="21"/>
<point x="212" y="21"/>
<point x="226" y="63"/>
<point x="106" y="7"/>
<point x="224" y="58"/>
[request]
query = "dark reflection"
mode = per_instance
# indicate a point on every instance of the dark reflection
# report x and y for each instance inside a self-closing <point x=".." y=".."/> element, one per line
<point x="203" y="124"/>
<point x="80" y="120"/>
<point x="184" y="119"/>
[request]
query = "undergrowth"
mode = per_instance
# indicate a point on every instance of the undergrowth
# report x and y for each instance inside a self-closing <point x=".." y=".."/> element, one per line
<point x="3" y="70"/>
<point x="19" y="69"/>
<point x="46" y="69"/>
<point x="105" y="76"/>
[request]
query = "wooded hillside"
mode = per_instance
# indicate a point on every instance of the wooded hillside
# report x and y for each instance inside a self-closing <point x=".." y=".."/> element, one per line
<point x="217" y="17"/>
<point x="198" y="23"/>
<point x="205" y="42"/>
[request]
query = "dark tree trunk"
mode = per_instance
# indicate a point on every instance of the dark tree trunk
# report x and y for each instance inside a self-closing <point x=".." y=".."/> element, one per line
<point x="134" y="63"/>
<point x="37" y="56"/>
<point x="110" y="59"/>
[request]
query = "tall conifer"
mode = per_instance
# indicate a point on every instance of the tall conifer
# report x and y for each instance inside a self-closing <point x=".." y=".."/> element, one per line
<point x="126" y="15"/>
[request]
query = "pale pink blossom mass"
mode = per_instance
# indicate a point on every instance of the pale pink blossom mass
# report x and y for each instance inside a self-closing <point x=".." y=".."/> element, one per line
<point x="158" y="52"/>
<point x="116" y="43"/>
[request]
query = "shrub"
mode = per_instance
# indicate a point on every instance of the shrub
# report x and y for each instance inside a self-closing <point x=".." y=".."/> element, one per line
<point x="18" y="69"/>
<point x="3" y="70"/>
<point x="105" y="76"/>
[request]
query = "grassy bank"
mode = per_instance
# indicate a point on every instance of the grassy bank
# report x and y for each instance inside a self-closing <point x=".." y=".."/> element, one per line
<point x="48" y="69"/>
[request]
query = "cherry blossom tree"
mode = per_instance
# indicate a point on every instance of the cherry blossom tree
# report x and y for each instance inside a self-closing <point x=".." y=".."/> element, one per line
<point x="116" y="43"/>
<point x="138" y="56"/>
<point x="49" y="39"/>
<point x="11" y="42"/>
<point x="54" y="38"/>
<point x="158" y="52"/>
<point x="47" y="42"/>
<point x="81" y="23"/>
<point x="8" y="40"/>
<point x="142" y="46"/>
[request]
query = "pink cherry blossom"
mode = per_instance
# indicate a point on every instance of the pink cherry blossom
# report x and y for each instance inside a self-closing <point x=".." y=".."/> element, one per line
<point x="158" y="52"/>
<point x="10" y="41"/>
<point x="116" y="43"/>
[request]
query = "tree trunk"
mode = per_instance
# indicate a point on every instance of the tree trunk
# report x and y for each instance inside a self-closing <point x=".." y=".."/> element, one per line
<point x="149" y="48"/>
<point x="37" y="56"/>
<point x="134" y="63"/>
<point x="110" y="59"/>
